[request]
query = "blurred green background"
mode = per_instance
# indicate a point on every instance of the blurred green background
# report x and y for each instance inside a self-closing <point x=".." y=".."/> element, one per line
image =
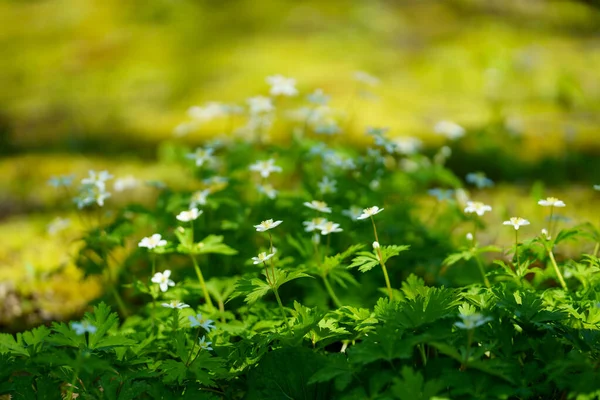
<point x="99" y="84"/>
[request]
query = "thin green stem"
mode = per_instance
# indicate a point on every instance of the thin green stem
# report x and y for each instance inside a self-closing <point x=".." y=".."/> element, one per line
<point x="596" y="249"/>
<point x="517" y="248"/>
<point x="482" y="270"/>
<point x="282" y="309"/>
<point x="557" y="271"/>
<point x="119" y="300"/>
<point x="193" y="347"/>
<point x="202" y="283"/>
<point x="383" y="268"/>
<point x="551" y="222"/>
<point x="75" y="377"/>
<point x="332" y="294"/>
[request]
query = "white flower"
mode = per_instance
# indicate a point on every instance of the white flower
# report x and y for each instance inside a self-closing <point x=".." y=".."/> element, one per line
<point x="477" y="207"/>
<point x="162" y="278"/>
<point x="376" y="245"/>
<point x="265" y="167"/>
<point x="316" y="238"/>
<point x="469" y="237"/>
<point x="58" y="224"/>
<point x="315" y="224"/>
<point x="318" y="97"/>
<point x="406" y="145"/>
<point x="330" y="227"/>
<point x="266" y="225"/>
<point x="58" y="181"/>
<point x="199" y="198"/>
<point x="449" y="129"/>
<point x="366" y="78"/>
<point x="268" y="190"/>
<point x="97" y="179"/>
<point x="125" y="183"/>
<point x="327" y="186"/>
<point x="210" y="111"/>
<point x="353" y="212"/>
<point x="369" y="212"/>
<point x="260" y="104"/>
<point x="201" y="156"/>
<point x="318" y="205"/>
<point x="516" y="222"/>
<point x="262" y="257"/>
<point x="545" y="234"/>
<point x="204" y="345"/>
<point x="280" y="85"/>
<point x="175" y="304"/>
<point x="471" y="321"/>
<point x="82" y="327"/>
<point x="551" y="202"/>
<point x="184" y="129"/>
<point x="207" y="324"/>
<point x="597" y="187"/>
<point x="152" y="241"/>
<point x="187" y="216"/>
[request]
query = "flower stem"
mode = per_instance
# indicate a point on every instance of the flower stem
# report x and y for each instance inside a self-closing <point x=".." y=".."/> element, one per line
<point x="482" y="270"/>
<point x="119" y="300"/>
<point x="384" y="269"/>
<point x="517" y="247"/>
<point x="335" y="299"/>
<point x="202" y="283"/>
<point x="558" y="273"/>
<point x="421" y="347"/>
<point x="193" y="347"/>
<point x="282" y="309"/>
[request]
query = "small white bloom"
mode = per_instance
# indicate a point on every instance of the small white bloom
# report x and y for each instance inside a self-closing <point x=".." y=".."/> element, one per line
<point x="82" y="327"/>
<point x="545" y="234"/>
<point x="318" y="205"/>
<point x="58" y="224"/>
<point x="366" y="78"/>
<point x="265" y="167"/>
<point x="199" y="198"/>
<point x="268" y="190"/>
<point x="449" y="129"/>
<point x="369" y="212"/>
<point x="58" y="181"/>
<point x="162" y="278"/>
<point x="260" y="104"/>
<point x="207" y="324"/>
<point x="97" y="179"/>
<point x="597" y="187"/>
<point x="153" y="241"/>
<point x="280" y="85"/>
<point x="407" y="145"/>
<point x="316" y="238"/>
<point x="353" y="212"/>
<point x="516" y="222"/>
<point x="471" y="321"/>
<point x="184" y="128"/>
<point x="376" y="245"/>
<point x="202" y="156"/>
<point x="551" y="202"/>
<point x="187" y="216"/>
<point x="315" y="224"/>
<point x="126" y="183"/>
<point x="262" y="257"/>
<point x="477" y="207"/>
<point x="204" y="345"/>
<point x="266" y="225"/>
<point x="330" y="227"/>
<point x="469" y="237"/>
<point x="327" y="186"/>
<point x="210" y="111"/>
<point x="318" y="97"/>
<point x="175" y="304"/>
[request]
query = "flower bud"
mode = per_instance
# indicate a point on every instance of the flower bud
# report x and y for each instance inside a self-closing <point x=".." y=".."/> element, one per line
<point x="376" y="245"/>
<point x="469" y="236"/>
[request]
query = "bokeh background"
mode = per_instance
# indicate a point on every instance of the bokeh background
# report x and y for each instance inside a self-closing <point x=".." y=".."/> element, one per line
<point x="102" y="84"/>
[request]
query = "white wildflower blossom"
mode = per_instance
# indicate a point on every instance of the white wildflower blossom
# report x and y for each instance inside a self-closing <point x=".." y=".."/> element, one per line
<point x="58" y="224"/>
<point x="204" y="345"/>
<point x="199" y="321"/>
<point x="266" y="225"/>
<point x="126" y="183"/>
<point x="268" y="190"/>
<point x="315" y="224"/>
<point x="471" y="321"/>
<point x="406" y="145"/>
<point x="318" y="97"/>
<point x="97" y="179"/>
<point x="265" y="167"/>
<point x="469" y="237"/>
<point x="199" y="198"/>
<point x="516" y="222"/>
<point x="330" y="227"/>
<point x="318" y="205"/>
<point x="184" y="129"/>
<point x="366" y="78"/>
<point x="262" y="257"/>
<point x="281" y="85"/>
<point x="207" y="113"/>
<point x="449" y="129"/>
<point x="369" y="212"/>
<point x="551" y="202"/>
<point x="260" y="104"/>
<point x="190" y="215"/>
<point x="175" y="304"/>
<point x="202" y="156"/>
<point x="477" y="208"/>
<point x="597" y="187"/>
<point x="82" y="327"/>
<point x="327" y="186"/>
<point x="162" y="279"/>
<point x="354" y="212"/>
<point x="376" y="245"/>
<point x="152" y="242"/>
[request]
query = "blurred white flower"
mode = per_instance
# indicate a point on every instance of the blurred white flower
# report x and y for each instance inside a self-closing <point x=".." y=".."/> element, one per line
<point x="201" y="156"/>
<point x="449" y="129"/>
<point x="204" y="345"/>
<point x="153" y="241"/>
<point x="268" y="190"/>
<point x="330" y="227"/>
<point x="198" y="320"/>
<point x="477" y="207"/>
<point x="469" y="237"/>
<point x="175" y="304"/>
<point x="280" y="85"/>
<point x="190" y="215"/>
<point x="318" y="205"/>
<point x="551" y="202"/>
<point x="369" y="212"/>
<point x="353" y="212"/>
<point x="184" y="128"/>
<point x="479" y="179"/>
<point x="210" y="111"/>
<point x="315" y="224"/>
<point x="162" y="278"/>
<point x="376" y="245"/>
<point x="97" y="179"/>
<point x="366" y="78"/>
<point x="58" y="224"/>
<point x="260" y="104"/>
<point x="82" y="327"/>
<point x="262" y="257"/>
<point x="597" y="187"/>
<point x="265" y="167"/>
<point x="125" y="183"/>
<point x="516" y="222"/>
<point x="266" y="225"/>
<point x="327" y="186"/>
<point x="199" y="198"/>
<point x="545" y="234"/>
<point x="406" y="145"/>
<point x="63" y="180"/>
<point x="318" y="97"/>
<point x="471" y="321"/>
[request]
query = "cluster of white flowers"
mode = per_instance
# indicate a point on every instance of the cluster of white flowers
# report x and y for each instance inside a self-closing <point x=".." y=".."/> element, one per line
<point x="282" y="86"/>
<point x="320" y="206"/>
<point x="202" y="156"/>
<point x="322" y="225"/>
<point x="189" y="215"/>
<point x="265" y="167"/>
<point x="93" y="189"/>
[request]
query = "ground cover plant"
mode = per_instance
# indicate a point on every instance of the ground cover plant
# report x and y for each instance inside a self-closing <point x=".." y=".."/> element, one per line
<point x="311" y="269"/>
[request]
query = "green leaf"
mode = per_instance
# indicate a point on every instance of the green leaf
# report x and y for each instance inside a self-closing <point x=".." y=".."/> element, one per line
<point x="252" y="288"/>
<point x="212" y="244"/>
<point x="337" y="369"/>
<point x="8" y="344"/>
<point x="412" y="386"/>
